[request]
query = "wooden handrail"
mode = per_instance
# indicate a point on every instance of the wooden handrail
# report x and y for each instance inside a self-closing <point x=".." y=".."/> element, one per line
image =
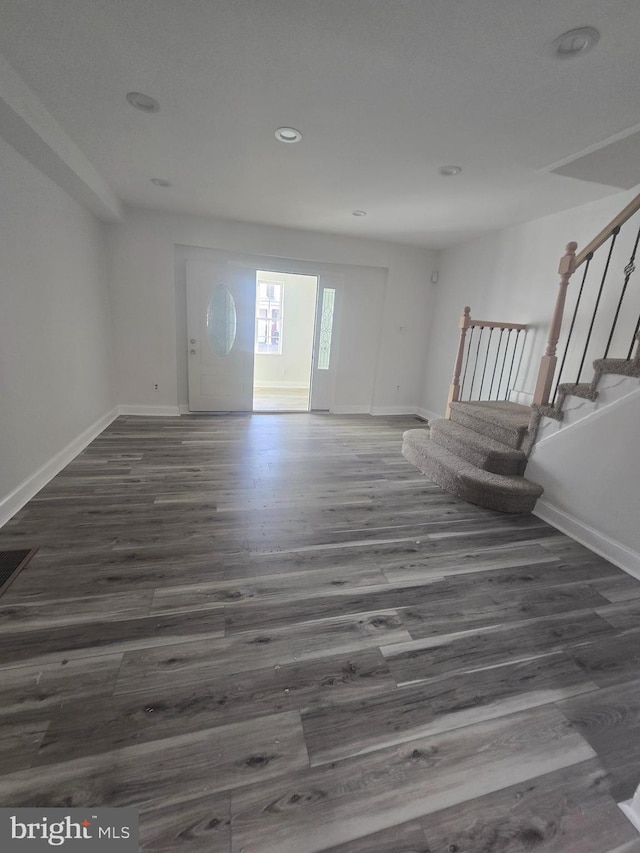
<point x="604" y="235"/>
<point x="490" y="324"/>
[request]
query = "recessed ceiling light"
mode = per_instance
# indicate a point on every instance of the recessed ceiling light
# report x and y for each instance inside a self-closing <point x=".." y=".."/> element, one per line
<point x="288" y="134"/>
<point x="143" y="102"/>
<point x="160" y="182"/>
<point x="358" y="212"/>
<point x="449" y="171"/>
<point x="575" y="42"/>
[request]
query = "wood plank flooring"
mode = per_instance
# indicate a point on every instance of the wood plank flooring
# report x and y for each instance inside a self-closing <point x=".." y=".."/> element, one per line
<point x="271" y="634"/>
<point x="280" y="399"/>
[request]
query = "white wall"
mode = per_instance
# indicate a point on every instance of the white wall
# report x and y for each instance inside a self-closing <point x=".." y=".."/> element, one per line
<point x="146" y="304"/>
<point x="55" y="325"/>
<point x="291" y="368"/>
<point x="511" y="275"/>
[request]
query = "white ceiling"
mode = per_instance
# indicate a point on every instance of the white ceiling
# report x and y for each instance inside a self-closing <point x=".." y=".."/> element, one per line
<point x="616" y="164"/>
<point x="384" y="91"/>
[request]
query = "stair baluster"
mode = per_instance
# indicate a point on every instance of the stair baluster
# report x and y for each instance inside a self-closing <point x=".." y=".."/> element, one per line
<point x="636" y="338"/>
<point x="472" y="350"/>
<point x="628" y="272"/>
<point x="569" y="263"/>
<point x="571" y="327"/>
<point x="614" y="237"/>
<point x="495" y="365"/>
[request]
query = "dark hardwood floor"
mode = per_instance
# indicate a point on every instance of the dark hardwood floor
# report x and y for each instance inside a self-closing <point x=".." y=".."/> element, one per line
<point x="271" y="634"/>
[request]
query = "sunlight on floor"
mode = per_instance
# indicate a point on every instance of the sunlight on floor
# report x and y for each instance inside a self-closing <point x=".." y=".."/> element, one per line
<point x="280" y="399"/>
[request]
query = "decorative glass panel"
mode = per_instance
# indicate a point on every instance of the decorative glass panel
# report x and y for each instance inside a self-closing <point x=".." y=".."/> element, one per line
<point x="326" y="327"/>
<point x="221" y="320"/>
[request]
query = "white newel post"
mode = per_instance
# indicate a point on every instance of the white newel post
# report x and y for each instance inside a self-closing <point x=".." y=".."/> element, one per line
<point x="454" y="388"/>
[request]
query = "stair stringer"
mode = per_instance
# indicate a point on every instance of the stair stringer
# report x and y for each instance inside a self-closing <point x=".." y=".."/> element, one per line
<point x="611" y="388"/>
<point x="608" y="374"/>
<point x="590" y="470"/>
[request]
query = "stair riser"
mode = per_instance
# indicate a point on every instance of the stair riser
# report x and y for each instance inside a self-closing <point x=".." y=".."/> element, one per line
<point x="510" y="437"/>
<point x="486" y="461"/>
<point x="447" y="480"/>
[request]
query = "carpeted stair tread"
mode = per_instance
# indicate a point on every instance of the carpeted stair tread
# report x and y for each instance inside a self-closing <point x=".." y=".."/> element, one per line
<point x="575" y="389"/>
<point x="479" y="449"/>
<point x="503" y="421"/>
<point x="505" y="493"/>
<point x="620" y="366"/>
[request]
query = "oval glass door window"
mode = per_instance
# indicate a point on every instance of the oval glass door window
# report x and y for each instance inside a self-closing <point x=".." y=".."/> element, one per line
<point x="221" y="320"/>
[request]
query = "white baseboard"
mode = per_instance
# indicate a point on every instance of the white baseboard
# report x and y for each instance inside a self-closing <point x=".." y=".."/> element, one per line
<point x="631" y="809"/>
<point x="393" y="410"/>
<point x="384" y="410"/>
<point x="427" y="414"/>
<point x="183" y="409"/>
<point x="615" y="552"/>
<point x="351" y="410"/>
<point x="150" y="411"/>
<point x="15" y="500"/>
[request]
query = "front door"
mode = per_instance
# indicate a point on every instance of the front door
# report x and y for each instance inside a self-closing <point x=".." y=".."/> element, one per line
<point x="220" y="335"/>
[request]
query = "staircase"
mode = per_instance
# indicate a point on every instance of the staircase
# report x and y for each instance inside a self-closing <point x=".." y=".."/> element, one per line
<point x="479" y="451"/>
<point x="477" y="454"/>
<point x="589" y="390"/>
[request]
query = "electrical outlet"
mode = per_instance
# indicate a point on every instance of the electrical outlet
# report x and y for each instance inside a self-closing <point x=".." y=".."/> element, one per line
<point x="156" y="387"/>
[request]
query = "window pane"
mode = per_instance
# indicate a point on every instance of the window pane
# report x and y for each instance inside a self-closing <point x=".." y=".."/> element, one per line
<point x="269" y="317"/>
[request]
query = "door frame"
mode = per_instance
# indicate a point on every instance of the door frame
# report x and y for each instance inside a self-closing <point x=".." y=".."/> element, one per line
<point x="310" y="317"/>
<point x="322" y="270"/>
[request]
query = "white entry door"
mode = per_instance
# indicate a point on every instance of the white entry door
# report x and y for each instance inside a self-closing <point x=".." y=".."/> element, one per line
<point x="220" y="335"/>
